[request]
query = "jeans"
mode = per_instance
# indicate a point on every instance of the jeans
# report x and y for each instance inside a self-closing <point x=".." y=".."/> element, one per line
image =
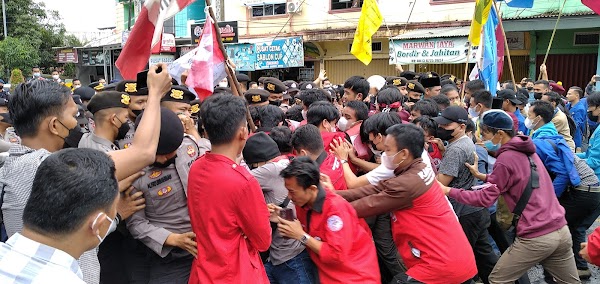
<point x="475" y="226"/>
<point x="298" y="270"/>
<point x="581" y="210"/>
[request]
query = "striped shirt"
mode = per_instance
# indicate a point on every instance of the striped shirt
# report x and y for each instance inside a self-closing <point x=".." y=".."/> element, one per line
<point x="23" y="260"/>
<point x="16" y="179"/>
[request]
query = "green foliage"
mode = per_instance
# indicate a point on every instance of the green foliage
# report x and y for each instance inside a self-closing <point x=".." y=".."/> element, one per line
<point x="16" y="53"/>
<point x="16" y="77"/>
<point x="69" y="70"/>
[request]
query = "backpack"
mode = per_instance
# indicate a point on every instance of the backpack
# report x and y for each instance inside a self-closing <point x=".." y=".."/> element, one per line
<point x="571" y="121"/>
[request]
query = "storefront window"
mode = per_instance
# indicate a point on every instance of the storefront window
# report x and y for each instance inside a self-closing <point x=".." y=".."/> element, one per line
<point x="346" y="4"/>
<point x="268" y="10"/>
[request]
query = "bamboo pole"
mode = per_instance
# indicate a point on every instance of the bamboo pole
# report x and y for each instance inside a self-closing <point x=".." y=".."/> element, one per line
<point x="462" y="91"/>
<point x="552" y="37"/>
<point x="233" y="82"/>
<point x="510" y="66"/>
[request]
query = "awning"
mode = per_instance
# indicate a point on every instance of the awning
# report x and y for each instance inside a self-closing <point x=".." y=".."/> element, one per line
<point x="435" y="33"/>
<point x="253" y="3"/>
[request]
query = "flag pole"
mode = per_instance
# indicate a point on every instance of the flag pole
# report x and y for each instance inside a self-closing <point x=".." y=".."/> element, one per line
<point x="462" y="91"/>
<point x="552" y="37"/>
<point x="510" y="66"/>
<point x="231" y="78"/>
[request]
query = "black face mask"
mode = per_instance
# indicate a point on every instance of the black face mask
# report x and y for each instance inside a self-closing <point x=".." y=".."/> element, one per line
<point x="6" y="118"/>
<point x="537" y="96"/>
<point x="444" y="134"/>
<point x="592" y="117"/>
<point x="72" y="140"/>
<point x="411" y="100"/>
<point x="529" y="89"/>
<point x="123" y="129"/>
<point x="137" y="112"/>
<point x="275" y="103"/>
<point x="166" y="164"/>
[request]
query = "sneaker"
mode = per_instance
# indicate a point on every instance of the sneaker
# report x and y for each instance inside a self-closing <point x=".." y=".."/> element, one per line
<point x="584" y="274"/>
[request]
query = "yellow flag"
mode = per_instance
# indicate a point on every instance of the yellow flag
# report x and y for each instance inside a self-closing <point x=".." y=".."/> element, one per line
<point x="369" y="22"/>
<point x="482" y="11"/>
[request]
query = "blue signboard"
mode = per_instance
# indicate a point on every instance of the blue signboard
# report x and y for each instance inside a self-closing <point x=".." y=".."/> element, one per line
<point x="242" y="55"/>
<point x="279" y="53"/>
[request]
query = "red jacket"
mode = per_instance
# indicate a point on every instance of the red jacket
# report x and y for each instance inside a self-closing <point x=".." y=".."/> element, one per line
<point x="330" y="165"/>
<point x="231" y="221"/>
<point x="594" y="247"/>
<point x="328" y="138"/>
<point x="348" y="253"/>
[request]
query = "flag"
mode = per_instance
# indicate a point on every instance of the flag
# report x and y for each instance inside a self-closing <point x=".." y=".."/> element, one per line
<point x="368" y="24"/>
<point x="480" y="16"/>
<point x="500" y="45"/>
<point x="182" y="63"/>
<point x="146" y="35"/>
<point x="519" y="3"/>
<point x="489" y="65"/>
<point x="592" y="4"/>
<point x="208" y="63"/>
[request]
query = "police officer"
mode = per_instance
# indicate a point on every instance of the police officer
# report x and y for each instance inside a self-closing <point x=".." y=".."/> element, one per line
<point x="276" y="89"/>
<point x="243" y="79"/>
<point x="398" y="82"/>
<point x="85" y="94"/>
<point x="179" y="100"/>
<point x="110" y="116"/>
<point x="432" y="84"/>
<point x="136" y="105"/>
<point x="257" y="97"/>
<point x="415" y="92"/>
<point x="167" y="246"/>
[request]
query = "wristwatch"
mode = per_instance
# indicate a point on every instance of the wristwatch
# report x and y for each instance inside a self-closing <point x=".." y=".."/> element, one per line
<point x="305" y="239"/>
<point x="343" y="161"/>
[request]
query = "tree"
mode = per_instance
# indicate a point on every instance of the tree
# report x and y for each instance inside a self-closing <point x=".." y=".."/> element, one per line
<point x="16" y="53"/>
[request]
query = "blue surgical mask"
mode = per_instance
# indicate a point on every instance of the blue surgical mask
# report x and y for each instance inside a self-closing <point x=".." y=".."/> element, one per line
<point x="488" y="144"/>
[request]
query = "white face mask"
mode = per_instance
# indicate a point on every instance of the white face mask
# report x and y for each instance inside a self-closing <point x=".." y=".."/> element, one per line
<point x="304" y="114"/>
<point x="388" y="161"/>
<point x="76" y="86"/>
<point x="342" y="124"/>
<point x="223" y="84"/>
<point x="37" y="74"/>
<point x="376" y="152"/>
<point x="473" y="112"/>
<point x="529" y="123"/>
<point x="111" y="228"/>
<point x="55" y="77"/>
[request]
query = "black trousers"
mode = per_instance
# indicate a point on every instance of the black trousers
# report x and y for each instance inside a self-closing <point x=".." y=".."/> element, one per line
<point x="149" y="268"/>
<point x="405" y="279"/>
<point x="112" y="254"/>
<point x="390" y="262"/>
<point x="581" y="210"/>
<point x="475" y="226"/>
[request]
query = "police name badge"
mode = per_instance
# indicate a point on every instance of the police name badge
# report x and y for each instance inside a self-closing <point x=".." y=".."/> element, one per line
<point x="335" y="223"/>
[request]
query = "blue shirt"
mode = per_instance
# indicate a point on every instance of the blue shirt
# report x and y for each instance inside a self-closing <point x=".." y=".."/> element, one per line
<point x="521" y="119"/>
<point x="579" y="114"/>
<point x="592" y="155"/>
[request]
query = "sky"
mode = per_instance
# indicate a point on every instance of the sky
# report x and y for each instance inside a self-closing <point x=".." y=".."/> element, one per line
<point x="84" y="15"/>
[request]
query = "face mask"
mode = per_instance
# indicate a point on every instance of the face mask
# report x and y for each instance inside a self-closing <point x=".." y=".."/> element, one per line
<point x="488" y="144"/>
<point x="111" y="228"/>
<point x="537" y="96"/>
<point x="388" y="161"/>
<point x="411" y="100"/>
<point x="137" y="112"/>
<point x="37" y="74"/>
<point x="166" y="164"/>
<point x="529" y="123"/>
<point x="444" y="134"/>
<point x="72" y="140"/>
<point x="55" y="77"/>
<point x="530" y="89"/>
<point x="76" y="86"/>
<point x="223" y="84"/>
<point x="304" y="114"/>
<point x="275" y="103"/>
<point x="123" y="129"/>
<point x="473" y="112"/>
<point x="326" y="86"/>
<point x="375" y="151"/>
<point x="342" y="123"/>
<point x="592" y="117"/>
<point x="6" y="118"/>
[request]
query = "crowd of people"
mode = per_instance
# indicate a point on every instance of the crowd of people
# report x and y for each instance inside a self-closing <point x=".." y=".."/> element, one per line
<point x="411" y="178"/>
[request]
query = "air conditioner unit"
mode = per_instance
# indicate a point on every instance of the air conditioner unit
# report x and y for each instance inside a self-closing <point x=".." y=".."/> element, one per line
<point x="294" y="7"/>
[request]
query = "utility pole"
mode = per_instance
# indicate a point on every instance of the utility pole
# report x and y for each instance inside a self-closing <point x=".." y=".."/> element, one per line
<point x="4" y="17"/>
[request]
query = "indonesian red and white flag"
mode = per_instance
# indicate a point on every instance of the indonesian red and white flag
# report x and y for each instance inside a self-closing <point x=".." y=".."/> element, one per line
<point x="146" y="35"/>
<point x="208" y="64"/>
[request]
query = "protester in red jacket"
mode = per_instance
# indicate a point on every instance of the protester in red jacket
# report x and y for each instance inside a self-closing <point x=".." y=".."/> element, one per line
<point x="227" y="209"/>
<point x="590" y="251"/>
<point x="327" y="225"/>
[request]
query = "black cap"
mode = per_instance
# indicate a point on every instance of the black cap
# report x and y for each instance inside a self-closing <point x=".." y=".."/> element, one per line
<point x="261" y="80"/>
<point x="76" y="99"/>
<point x="452" y="114"/>
<point x="241" y="77"/>
<point x="449" y="77"/>
<point x="130" y="87"/>
<point x="396" y="81"/>
<point x="414" y="86"/>
<point x="508" y="94"/>
<point x="171" y="131"/>
<point x="445" y="82"/>
<point x="292" y="86"/>
<point x="108" y="99"/>
<point x="430" y="79"/>
<point x="97" y="86"/>
<point x="497" y="119"/>
<point x="86" y="93"/>
<point x="523" y="96"/>
<point x="307" y="86"/>
<point x="195" y="106"/>
<point x="81" y="119"/>
<point x="273" y="85"/>
<point x="110" y="87"/>
<point x="256" y="96"/>
<point x="180" y="94"/>
<point x="260" y="147"/>
<point x="3" y="102"/>
<point x="409" y="75"/>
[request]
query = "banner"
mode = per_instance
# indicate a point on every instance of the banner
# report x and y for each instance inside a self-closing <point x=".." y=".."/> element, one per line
<point x="164" y="58"/>
<point x="229" y="32"/>
<point x="432" y="50"/>
<point x="280" y="53"/>
<point x="242" y="55"/>
<point x="67" y="56"/>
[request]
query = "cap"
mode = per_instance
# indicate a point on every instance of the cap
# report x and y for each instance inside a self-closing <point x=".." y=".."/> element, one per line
<point x="409" y="75"/>
<point x="3" y="102"/>
<point x="179" y="94"/>
<point x="110" y="87"/>
<point x="108" y="99"/>
<point x="430" y="79"/>
<point x="497" y="119"/>
<point x="292" y="86"/>
<point x="81" y="119"/>
<point x="453" y="114"/>
<point x="256" y="96"/>
<point x="449" y="77"/>
<point x="523" y="96"/>
<point x="195" y="106"/>
<point x="508" y="94"/>
<point x="396" y="81"/>
<point x="86" y="93"/>
<point x="130" y="87"/>
<point x="273" y="85"/>
<point x="241" y="77"/>
<point x="96" y="86"/>
<point x="414" y="86"/>
<point x="77" y="100"/>
<point x="557" y="88"/>
<point x="171" y="131"/>
<point x="260" y="147"/>
<point x="261" y="80"/>
<point x="376" y="82"/>
<point x="307" y="86"/>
